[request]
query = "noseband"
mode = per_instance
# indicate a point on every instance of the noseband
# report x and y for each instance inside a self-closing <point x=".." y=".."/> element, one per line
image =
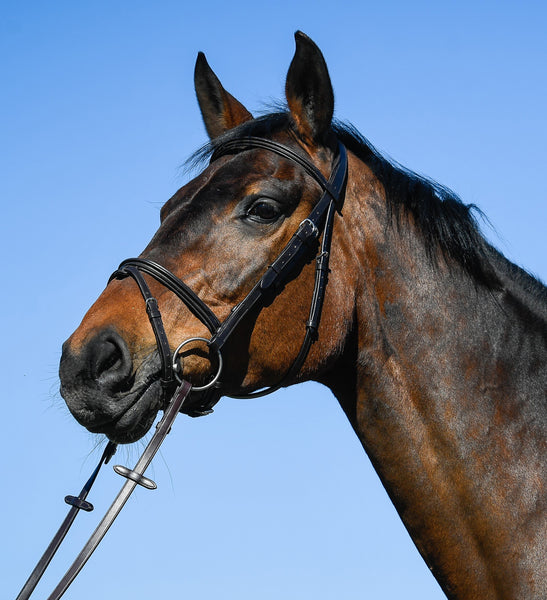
<point x="298" y="251"/>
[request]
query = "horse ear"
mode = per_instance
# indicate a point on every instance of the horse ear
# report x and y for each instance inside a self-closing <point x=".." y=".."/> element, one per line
<point x="309" y="91"/>
<point x="220" y="110"/>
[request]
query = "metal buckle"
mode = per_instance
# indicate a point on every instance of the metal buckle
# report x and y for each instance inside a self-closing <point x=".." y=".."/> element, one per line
<point x="314" y="230"/>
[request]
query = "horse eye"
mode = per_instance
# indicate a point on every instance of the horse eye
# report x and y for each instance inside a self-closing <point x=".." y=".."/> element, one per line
<point x="264" y="211"/>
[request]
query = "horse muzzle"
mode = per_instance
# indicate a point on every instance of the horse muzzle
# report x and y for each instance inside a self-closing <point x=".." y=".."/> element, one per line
<point x="105" y="393"/>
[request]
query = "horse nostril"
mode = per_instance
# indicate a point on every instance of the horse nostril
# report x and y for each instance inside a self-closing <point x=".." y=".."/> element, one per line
<point x="110" y="360"/>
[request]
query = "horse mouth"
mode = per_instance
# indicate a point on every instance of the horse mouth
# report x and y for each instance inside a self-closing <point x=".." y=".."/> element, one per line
<point x="123" y="409"/>
<point x="132" y="422"/>
<point x="113" y="392"/>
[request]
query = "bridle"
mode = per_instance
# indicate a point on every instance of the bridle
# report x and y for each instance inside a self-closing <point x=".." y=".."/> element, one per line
<point x="294" y="255"/>
<point x="300" y="248"/>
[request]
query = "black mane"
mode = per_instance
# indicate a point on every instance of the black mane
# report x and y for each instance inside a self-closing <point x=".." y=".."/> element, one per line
<point x="446" y="224"/>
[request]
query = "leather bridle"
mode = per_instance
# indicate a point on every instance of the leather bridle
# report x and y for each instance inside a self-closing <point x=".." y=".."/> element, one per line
<point x="294" y="255"/>
<point x="300" y="248"/>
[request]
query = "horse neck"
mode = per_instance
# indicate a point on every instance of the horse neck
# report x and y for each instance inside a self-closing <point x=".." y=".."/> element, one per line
<point x="438" y="400"/>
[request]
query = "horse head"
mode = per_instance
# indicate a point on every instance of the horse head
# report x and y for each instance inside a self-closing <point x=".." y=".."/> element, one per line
<point x="218" y="234"/>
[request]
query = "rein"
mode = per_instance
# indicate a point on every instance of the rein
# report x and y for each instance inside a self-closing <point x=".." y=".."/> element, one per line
<point x="298" y="251"/>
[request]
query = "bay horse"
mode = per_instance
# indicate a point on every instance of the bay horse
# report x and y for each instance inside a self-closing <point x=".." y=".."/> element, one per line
<point x="432" y="341"/>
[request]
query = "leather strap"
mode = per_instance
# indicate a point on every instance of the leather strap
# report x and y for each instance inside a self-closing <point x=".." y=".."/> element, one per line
<point x="154" y="316"/>
<point x="173" y="283"/>
<point x="77" y="503"/>
<point x="162" y="429"/>
<point x="252" y="142"/>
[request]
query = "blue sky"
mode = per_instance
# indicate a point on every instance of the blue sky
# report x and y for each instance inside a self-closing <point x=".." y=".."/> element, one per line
<point x="272" y="498"/>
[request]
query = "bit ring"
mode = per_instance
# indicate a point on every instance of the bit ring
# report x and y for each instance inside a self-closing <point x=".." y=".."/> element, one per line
<point x="211" y="383"/>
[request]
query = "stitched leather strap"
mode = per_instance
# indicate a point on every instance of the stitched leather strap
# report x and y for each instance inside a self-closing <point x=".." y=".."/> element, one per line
<point x="77" y="503"/>
<point x="173" y="283"/>
<point x="252" y="142"/>
<point x="162" y="429"/>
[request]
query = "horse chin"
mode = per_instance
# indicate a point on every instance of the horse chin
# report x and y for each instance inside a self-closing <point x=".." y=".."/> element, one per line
<point x="134" y="422"/>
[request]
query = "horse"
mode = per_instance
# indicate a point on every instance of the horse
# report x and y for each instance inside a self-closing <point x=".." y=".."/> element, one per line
<point x="433" y="343"/>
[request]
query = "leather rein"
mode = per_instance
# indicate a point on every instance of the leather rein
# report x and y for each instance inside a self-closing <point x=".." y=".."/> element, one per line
<point x="295" y="254"/>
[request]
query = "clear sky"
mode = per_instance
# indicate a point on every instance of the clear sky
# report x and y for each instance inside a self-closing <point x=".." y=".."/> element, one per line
<point x="265" y="499"/>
